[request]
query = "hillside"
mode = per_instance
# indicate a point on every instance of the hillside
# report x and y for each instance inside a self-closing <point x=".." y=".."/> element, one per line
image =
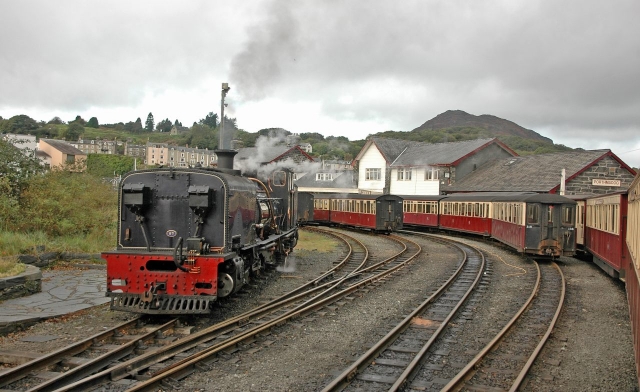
<point x="496" y="125"/>
<point x="457" y="125"/>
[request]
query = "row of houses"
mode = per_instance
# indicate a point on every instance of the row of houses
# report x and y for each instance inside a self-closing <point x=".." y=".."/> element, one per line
<point x="388" y="166"/>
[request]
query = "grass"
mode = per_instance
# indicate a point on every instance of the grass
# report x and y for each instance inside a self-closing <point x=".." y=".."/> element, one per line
<point x="12" y="244"/>
<point x="315" y="242"/>
<point x="9" y="266"/>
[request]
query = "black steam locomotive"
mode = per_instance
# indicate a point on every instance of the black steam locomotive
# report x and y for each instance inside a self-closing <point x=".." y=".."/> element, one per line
<point x="188" y="236"/>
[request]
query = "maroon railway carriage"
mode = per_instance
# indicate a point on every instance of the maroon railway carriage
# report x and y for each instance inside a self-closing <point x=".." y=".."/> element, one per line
<point x="382" y="213"/>
<point x="421" y="211"/>
<point x="605" y="232"/>
<point x="467" y="212"/>
<point x="632" y="241"/>
<point x="536" y="224"/>
<point x="532" y="223"/>
<point x="321" y="208"/>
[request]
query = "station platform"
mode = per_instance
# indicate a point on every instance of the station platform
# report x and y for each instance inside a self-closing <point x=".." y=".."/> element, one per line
<point x="63" y="291"/>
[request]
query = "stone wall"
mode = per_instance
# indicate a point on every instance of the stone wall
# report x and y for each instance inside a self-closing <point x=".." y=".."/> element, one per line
<point x="605" y="169"/>
<point x="27" y="283"/>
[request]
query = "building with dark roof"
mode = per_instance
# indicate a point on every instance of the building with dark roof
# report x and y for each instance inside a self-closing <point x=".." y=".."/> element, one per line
<point x="586" y="172"/>
<point x="328" y="182"/>
<point x="62" y="154"/>
<point x="405" y="167"/>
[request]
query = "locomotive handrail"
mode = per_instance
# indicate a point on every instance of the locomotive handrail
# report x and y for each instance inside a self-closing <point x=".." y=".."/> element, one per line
<point x="177" y="259"/>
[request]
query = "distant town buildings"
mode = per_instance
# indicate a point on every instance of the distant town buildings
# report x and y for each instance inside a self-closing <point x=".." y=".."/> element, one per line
<point x="175" y="156"/>
<point x="382" y="166"/>
<point x="96" y="146"/>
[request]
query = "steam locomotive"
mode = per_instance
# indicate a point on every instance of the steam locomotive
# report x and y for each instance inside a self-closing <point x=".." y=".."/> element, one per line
<point x="188" y="236"/>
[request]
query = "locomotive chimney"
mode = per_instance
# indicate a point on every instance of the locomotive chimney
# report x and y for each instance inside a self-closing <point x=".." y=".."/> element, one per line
<point x="225" y="158"/>
<point x="225" y="155"/>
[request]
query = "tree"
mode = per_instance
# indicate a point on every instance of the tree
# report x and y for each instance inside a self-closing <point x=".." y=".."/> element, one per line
<point x="56" y="120"/>
<point x="164" y="126"/>
<point x="20" y="124"/>
<point x="177" y="123"/>
<point x="93" y="123"/>
<point x="202" y="136"/>
<point x="211" y="120"/>
<point x="73" y="131"/>
<point x="17" y="167"/>
<point x="148" y="125"/>
<point x="134" y="127"/>
<point x="79" y="120"/>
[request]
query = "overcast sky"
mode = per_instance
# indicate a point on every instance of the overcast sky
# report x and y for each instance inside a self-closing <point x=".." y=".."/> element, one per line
<point x="569" y="70"/>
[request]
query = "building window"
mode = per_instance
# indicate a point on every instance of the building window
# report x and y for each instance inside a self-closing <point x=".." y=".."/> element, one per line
<point x="324" y="176"/>
<point x="373" y="174"/>
<point x="404" y="174"/>
<point x="431" y="174"/>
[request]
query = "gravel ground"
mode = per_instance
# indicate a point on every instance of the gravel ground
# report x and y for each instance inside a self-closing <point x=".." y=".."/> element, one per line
<point x="590" y="349"/>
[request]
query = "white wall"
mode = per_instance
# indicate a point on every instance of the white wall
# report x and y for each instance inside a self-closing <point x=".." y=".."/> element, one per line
<point x="416" y="186"/>
<point x="371" y="159"/>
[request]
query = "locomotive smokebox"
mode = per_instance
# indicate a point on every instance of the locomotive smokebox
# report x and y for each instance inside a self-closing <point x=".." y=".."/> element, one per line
<point x="225" y="160"/>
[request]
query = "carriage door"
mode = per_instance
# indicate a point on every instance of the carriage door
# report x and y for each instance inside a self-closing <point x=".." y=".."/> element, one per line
<point x="551" y="219"/>
<point x="533" y="228"/>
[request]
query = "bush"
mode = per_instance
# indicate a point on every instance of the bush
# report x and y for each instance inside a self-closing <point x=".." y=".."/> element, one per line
<point x="67" y="204"/>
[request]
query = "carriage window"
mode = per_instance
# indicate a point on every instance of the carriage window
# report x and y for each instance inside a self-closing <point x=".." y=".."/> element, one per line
<point x="533" y="214"/>
<point x="567" y="215"/>
<point x="279" y="178"/>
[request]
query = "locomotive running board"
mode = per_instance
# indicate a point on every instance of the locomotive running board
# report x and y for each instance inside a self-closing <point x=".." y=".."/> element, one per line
<point x="162" y="304"/>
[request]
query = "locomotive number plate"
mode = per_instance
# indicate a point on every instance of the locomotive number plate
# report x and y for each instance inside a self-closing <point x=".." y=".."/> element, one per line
<point x="171" y="233"/>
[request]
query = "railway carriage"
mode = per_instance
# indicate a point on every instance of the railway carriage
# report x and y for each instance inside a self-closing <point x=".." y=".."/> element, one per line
<point x="322" y="207"/>
<point x="605" y="232"/>
<point x="381" y="213"/>
<point x="467" y="212"/>
<point x="532" y="223"/>
<point x="421" y="211"/>
<point x="536" y="224"/>
<point x="632" y="241"/>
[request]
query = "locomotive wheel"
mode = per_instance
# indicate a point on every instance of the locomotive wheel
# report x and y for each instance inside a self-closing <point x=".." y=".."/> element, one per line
<point x="225" y="285"/>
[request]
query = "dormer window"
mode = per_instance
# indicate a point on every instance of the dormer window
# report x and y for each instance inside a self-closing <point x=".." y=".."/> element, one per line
<point x="324" y="176"/>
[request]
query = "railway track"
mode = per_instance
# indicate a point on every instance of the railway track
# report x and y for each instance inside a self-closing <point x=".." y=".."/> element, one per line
<point x="399" y="354"/>
<point x="145" y="368"/>
<point x="505" y="361"/>
<point x="71" y="363"/>
<point x="405" y="358"/>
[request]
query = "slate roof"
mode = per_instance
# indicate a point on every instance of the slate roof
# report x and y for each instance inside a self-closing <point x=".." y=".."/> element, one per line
<point x="264" y="155"/>
<point x="344" y="179"/>
<point x="391" y="148"/>
<point x="534" y="173"/>
<point x="63" y="147"/>
<point x="419" y="154"/>
<point x="409" y="153"/>
<point x="267" y="155"/>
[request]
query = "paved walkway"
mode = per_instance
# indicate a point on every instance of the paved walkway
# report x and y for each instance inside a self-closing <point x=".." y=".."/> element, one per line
<point x="63" y="291"/>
